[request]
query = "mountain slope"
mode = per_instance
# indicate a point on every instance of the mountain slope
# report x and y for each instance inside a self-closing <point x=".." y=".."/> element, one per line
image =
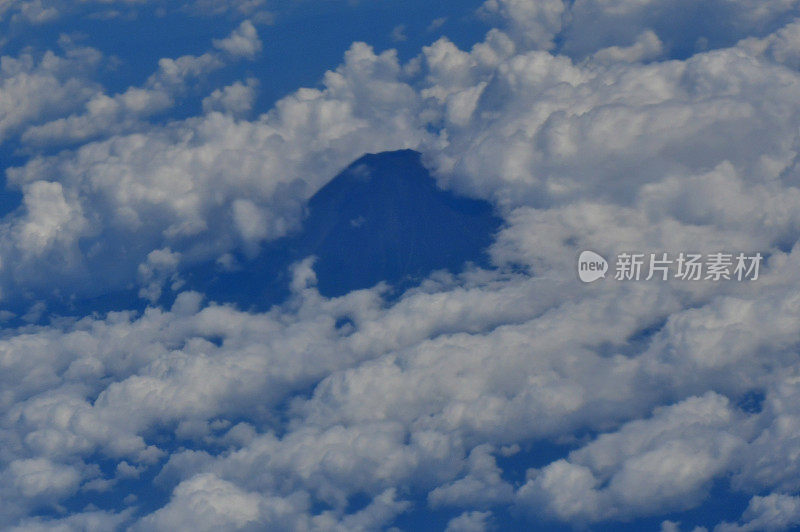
<point x="381" y="219"/>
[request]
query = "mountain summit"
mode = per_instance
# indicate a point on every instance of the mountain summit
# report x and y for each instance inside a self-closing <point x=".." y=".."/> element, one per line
<point x="381" y="219"/>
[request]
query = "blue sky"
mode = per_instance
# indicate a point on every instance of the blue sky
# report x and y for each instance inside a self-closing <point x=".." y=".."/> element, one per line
<point x="295" y="265"/>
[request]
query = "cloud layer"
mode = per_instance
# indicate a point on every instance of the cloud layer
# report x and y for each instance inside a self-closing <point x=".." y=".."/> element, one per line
<point x="672" y="135"/>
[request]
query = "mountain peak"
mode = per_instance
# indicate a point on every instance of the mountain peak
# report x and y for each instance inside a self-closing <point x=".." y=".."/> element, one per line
<point x="383" y="218"/>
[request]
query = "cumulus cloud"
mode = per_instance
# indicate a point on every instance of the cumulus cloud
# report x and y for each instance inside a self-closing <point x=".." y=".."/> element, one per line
<point x="34" y="89"/>
<point x="39" y="12"/>
<point x="90" y="521"/>
<point x="483" y="485"/>
<point x="242" y="42"/>
<point x="469" y="522"/>
<point x="406" y="399"/>
<point x="642" y="467"/>
<point x="105" y="115"/>
<point x="222" y="505"/>
<point x="533" y="23"/>
<point x="206" y="184"/>
<point x="284" y="419"/>
<point x="646" y="46"/>
<point x="237" y="99"/>
<point x="584" y="27"/>
<point x="771" y="512"/>
<point x="161" y="266"/>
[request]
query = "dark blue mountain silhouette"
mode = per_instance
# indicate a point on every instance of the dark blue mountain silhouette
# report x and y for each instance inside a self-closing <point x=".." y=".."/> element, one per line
<point x="382" y="219"/>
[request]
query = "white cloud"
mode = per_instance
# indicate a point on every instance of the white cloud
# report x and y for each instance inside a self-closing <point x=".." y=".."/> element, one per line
<point x="205" y="502"/>
<point x="469" y="522"/>
<point x="38" y="12"/>
<point x="243" y="42"/>
<point x="50" y="219"/>
<point x="89" y="521"/>
<point x="399" y="33"/>
<point x="647" y="46"/>
<point x="433" y="386"/>
<point x="40" y="478"/>
<point x="533" y="23"/>
<point x="194" y="185"/>
<point x="771" y="512"/>
<point x="584" y="27"/>
<point x="663" y="463"/>
<point x="290" y="418"/>
<point x="160" y="267"/>
<point x="481" y="486"/>
<point x="237" y="99"/>
<point x="105" y="115"/>
<point x="34" y="89"/>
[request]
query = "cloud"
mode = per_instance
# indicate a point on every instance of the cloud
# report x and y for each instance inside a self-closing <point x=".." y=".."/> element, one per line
<point x="33" y="89"/>
<point x="221" y="505"/>
<point x="399" y="33"/>
<point x="31" y="11"/>
<point x="646" y="46"/>
<point x="436" y="24"/>
<point x="282" y="419"/>
<point x="469" y="522"/>
<point x="105" y="115"/>
<point x="534" y="24"/>
<point x="255" y="10"/>
<point x="91" y="521"/>
<point x="582" y="28"/>
<point x="408" y="399"/>
<point x="642" y="467"/>
<point x="237" y="99"/>
<point x="39" y="12"/>
<point x="160" y="266"/>
<point x="483" y="484"/>
<point x="243" y="42"/>
<point x="176" y="185"/>
<point x="771" y="512"/>
<point x="48" y="221"/>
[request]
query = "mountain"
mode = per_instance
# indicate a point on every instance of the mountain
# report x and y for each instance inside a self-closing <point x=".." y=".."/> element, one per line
<point x="381" y="219"/>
